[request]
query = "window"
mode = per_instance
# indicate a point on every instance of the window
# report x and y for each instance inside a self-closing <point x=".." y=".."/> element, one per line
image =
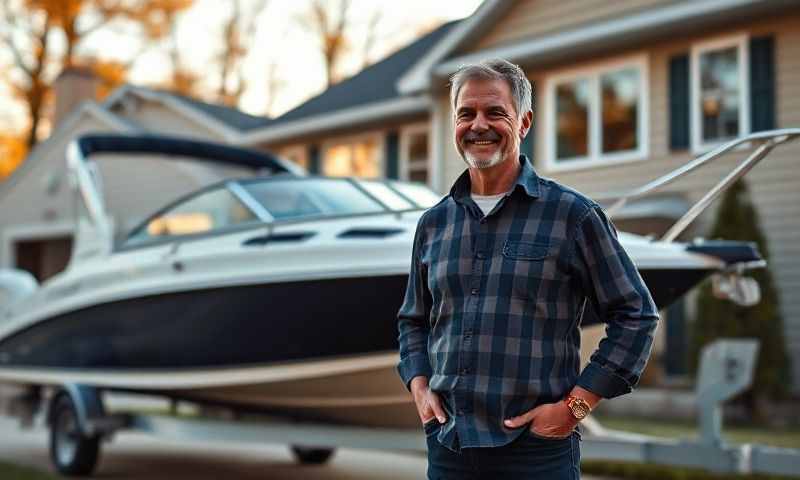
<point x="597" y="116"/>
<point x="414" y="154"/>
<point x="202" y="213"/>
<point x="720" y="82"/>
<point x="357" y="158"/>
<point x="297" y="154"/>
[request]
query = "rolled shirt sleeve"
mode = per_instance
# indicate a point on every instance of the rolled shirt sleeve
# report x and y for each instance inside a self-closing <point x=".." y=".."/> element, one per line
<point x="413" y="319"/>
<point x="616" y="291"/>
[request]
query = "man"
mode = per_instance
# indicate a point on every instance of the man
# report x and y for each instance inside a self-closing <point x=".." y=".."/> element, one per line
<point x="503" y="269"/>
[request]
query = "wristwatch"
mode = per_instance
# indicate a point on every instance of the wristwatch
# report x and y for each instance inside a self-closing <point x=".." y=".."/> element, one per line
<point x="579" y="407"/>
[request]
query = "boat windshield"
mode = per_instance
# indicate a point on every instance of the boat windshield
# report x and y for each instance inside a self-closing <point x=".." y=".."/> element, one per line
<point x="417" y="193"/>
<point x="310" y="197"/>
<point x="386" y="195"/>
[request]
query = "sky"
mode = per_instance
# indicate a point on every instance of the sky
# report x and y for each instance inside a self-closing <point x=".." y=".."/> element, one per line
<point x="281" y="40"/>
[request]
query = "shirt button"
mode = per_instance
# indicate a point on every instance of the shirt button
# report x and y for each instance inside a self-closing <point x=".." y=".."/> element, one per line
<point x="460" y="412"/>
<point x="465" y="371"/>
<point x="481" y="255"/>
<point x="474" y="291"/>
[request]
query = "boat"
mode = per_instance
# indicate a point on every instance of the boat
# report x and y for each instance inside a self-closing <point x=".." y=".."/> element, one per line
<point x="275" y="293"/>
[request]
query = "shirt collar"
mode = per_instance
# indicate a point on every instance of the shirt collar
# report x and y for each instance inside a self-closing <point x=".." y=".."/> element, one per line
<point x="527" y="180"/>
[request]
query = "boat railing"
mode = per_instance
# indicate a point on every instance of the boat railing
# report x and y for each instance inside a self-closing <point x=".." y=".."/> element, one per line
<point x="763" y="143"/>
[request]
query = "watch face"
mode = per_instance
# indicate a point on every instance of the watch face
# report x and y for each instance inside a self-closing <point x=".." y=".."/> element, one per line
<point x="580" y="409"/>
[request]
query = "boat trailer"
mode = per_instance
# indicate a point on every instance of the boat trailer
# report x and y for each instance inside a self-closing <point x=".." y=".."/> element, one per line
<point x="79" y="423"/>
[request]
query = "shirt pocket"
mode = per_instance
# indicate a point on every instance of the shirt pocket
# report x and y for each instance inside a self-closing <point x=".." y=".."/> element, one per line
<point x="528" y="265"/>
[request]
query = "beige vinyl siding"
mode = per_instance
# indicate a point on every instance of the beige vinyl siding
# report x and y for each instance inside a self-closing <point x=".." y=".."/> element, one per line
<point x="533" y="18"/>
<point x="132" y="187"/>
<point x="156" y="118"/>
<point x="774" y="184"/>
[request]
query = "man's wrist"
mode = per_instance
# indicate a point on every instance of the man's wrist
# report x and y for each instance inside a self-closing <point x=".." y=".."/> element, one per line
<point x="580" y="402"/>
<point x="418" y="382"/>
<point x="589" y="397"/>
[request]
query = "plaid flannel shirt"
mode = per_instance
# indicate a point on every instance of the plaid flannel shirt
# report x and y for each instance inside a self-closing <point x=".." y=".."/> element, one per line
<point x="493" y="305"/>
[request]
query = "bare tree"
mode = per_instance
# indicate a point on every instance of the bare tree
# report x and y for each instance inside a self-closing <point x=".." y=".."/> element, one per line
<point x="273" y="86"/>
<point x="328" y="20"/>
<point x="369" y="41"/>
<point x="238" y="37"/>
<point x="26" y="28"/>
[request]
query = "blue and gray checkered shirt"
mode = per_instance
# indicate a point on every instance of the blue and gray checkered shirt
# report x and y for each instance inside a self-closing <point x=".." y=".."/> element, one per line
<point x="493" y="304"/>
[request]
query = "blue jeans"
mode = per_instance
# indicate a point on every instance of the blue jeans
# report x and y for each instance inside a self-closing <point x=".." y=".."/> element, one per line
<point x="526" y="458"/>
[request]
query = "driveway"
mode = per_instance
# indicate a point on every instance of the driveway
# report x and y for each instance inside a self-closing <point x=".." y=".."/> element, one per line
<point x="140" y="456"/>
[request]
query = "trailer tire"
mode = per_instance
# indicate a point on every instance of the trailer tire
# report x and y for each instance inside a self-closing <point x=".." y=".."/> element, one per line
<point x="72" y="452"/>
<point x="312" y="455"/>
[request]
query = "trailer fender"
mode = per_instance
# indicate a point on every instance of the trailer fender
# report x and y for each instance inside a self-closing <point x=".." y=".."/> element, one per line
<point x="88" y="405"/>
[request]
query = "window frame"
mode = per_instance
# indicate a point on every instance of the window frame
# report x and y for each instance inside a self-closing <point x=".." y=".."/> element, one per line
<point x="300" y="150"/>
<point x="380" y="138"/>
<point x="405" y="143"/>
<point x="124" y="243"/>
<point x="741" y="42"/>
<point x="593" y="74"/>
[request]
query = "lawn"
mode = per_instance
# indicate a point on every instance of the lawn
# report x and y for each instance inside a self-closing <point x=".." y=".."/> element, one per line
<point x="14" y="472"/>
<point x="776" y="437"/>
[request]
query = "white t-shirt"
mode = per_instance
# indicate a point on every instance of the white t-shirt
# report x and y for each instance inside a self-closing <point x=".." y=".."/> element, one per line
<point x="487" y="202"/>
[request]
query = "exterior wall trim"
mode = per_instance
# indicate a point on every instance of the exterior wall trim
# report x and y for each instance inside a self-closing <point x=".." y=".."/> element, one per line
<point x="405" y="141"/>
<point x="596" y="33"/>
<point x="417" y="78"/>
<point x="337" y="119"/>
<point x="596" y="158"/>
<point x="228" y="133"/>
<point x="739" y="40"/>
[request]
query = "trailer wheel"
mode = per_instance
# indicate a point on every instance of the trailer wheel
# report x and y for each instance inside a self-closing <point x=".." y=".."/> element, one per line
<point x="71" y="452"/>
<point x="311" y="455"/>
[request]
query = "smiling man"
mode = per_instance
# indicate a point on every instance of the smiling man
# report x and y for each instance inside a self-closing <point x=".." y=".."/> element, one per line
<point x="502" y="272"/>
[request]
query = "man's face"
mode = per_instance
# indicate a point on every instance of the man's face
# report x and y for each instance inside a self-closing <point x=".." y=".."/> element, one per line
<point x="487" y="127"/>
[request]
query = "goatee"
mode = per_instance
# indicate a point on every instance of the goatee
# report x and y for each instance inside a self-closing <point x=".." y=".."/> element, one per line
<point x="480" y="163"/>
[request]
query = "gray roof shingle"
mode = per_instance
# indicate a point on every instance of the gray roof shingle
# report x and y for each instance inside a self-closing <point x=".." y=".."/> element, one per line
<point x="373" y="84"/>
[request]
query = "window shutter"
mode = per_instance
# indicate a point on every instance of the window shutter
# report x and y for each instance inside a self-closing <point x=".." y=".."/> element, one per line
<point x="392" y="151"/>
<point x="762" y="84"/>
<point x="677" y="339"/>
<point x="314" y="164"/>
<point x="526" y="146"/>
<point x="679" y="102"/>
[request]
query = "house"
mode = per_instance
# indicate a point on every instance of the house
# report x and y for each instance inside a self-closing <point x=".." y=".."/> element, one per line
<point x="37" y="218"/>
<point x="624" y="92"/>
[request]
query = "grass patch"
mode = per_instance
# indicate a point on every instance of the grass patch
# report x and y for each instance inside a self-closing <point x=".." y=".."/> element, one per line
<point x="735" y="434"/>
<point x="15" y="472"/>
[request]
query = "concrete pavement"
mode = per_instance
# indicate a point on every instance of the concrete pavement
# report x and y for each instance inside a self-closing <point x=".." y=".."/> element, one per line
<point x="138" y="456"/>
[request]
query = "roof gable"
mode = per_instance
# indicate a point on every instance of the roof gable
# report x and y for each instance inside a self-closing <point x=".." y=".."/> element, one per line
<point x="229" y="116"/>
<point x="229" y="122"/>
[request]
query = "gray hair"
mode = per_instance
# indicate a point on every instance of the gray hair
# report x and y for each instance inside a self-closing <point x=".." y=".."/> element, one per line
<point x="495" y="69"/>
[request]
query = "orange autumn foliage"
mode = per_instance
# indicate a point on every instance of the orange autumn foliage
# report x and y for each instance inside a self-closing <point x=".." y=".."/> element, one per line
<point x="12" y="153"/>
